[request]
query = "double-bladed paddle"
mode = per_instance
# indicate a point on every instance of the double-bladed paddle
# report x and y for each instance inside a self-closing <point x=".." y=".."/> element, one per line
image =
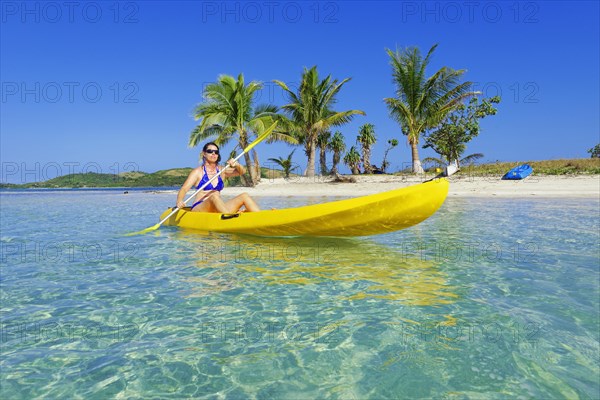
<point x="259" y="139"/>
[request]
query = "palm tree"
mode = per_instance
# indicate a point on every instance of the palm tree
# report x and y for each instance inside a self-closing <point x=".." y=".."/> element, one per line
<point x="337" y="145"/>
<point x="228" y="110"/>
<point x="352" y="160"/>
<point x="366" y="138"/>
<point x="285" y="164"/>
<point x="323" y="144"/>
<point x="391" y="144"/>
<point x="310" y="110"/>
<point x="422" y="103"/>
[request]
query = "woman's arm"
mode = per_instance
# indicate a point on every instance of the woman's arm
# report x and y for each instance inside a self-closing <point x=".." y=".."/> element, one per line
<point x="233" y="169"/>
<point x="187" y="185"/>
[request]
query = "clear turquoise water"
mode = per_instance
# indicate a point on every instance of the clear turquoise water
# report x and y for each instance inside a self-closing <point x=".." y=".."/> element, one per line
<point x="489" y="298"/>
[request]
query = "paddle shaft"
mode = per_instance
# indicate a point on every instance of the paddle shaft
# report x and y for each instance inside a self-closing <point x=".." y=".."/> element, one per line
<point x="201" y="188"/>
<point x="450" y="169"/>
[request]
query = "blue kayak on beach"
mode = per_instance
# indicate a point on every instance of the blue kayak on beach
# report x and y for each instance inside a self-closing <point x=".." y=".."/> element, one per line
<point x="520" y="172"/>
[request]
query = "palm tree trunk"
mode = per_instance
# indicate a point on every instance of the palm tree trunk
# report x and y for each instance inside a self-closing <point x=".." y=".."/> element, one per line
<point x="243" y="144"/>
<point x="384" y="162"/>
<point x="257" y="176"/>
<point x="336" y="160"/>
<point x="416" y="162"/>
<point x="323" y="157"/>
<point x="248" y="181"/>
<point x="310" y="169"/>
<point x="367" y="160"/>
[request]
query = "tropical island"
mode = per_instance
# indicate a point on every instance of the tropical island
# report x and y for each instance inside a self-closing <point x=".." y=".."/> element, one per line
<point x="440" y="112"/>
<point x="174" y="177"/>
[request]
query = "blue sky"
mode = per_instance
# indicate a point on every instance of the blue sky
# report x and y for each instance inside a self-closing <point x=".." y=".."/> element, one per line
<point x="111" y="86"/>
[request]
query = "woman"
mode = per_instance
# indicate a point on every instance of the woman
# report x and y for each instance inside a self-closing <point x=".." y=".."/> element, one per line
<point x="209" y="199"/>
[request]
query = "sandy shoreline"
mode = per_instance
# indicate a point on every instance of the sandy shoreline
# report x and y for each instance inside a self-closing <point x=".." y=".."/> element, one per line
<point x="460" y="186"/>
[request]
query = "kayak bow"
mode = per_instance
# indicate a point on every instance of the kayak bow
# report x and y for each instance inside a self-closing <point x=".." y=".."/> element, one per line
<point x="360" y="216"/>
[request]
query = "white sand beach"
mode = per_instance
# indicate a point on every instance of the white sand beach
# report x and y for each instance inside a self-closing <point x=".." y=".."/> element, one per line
<point x="460" y="186"/>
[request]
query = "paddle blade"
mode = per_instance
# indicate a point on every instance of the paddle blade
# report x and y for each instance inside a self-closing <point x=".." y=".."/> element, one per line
<point x="143" y="231"/>
<point x="451" y="170"/>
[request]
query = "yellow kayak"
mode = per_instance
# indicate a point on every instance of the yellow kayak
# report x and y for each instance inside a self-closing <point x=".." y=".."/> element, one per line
<point x="359" y="216"/>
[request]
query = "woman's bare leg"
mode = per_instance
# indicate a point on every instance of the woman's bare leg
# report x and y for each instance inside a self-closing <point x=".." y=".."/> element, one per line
<point x="212" y="203"/>
<point x="243" y="199"/>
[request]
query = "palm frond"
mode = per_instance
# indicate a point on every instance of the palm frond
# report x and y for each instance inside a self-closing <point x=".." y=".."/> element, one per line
<point x="219" y="134"/>
<point x="437" y="162"/>
<point x="337" y="142"/>
<point x="341" y="118"/>
<point x="282" y="137"/>
<point x="470" y="159"/>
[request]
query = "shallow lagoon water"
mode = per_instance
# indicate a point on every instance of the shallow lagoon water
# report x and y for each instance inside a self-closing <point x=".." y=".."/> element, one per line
<point x="489" y="298"/>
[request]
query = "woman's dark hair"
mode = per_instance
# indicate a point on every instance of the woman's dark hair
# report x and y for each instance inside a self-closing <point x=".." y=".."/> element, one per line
<point x="213" y="144"/>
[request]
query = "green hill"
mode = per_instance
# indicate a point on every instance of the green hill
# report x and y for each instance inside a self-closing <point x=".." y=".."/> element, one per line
<point x="171" y="177"/>
<point x="163" y="178"/>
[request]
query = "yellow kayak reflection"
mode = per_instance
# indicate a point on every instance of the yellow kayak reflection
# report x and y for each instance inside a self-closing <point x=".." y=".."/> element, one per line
<point x="383" y="272"/>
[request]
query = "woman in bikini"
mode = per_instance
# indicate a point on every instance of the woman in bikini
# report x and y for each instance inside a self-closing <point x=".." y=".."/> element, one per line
<point x="209" y="199"/>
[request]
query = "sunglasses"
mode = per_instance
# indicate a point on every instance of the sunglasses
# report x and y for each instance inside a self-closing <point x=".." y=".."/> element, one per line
<point x="211" y="151"/>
